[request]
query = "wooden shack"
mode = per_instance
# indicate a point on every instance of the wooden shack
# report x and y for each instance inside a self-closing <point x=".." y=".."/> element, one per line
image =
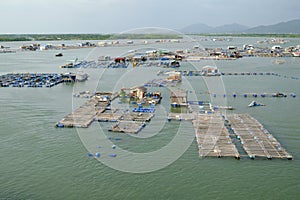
<point x="179" y="98"/>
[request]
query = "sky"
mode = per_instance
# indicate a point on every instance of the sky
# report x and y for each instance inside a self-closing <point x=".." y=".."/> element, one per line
<point x="115" y="16"/>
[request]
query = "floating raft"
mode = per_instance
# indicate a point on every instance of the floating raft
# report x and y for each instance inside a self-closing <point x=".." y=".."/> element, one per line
<point x="216" y="140"/>
<point x="213" y="137"/>
<point x="200" y="73"/>
<point x="181" y="116"/>
<point x="108" y="117"/>
<point x="36" y="79"/>
<point x="128" y="127"/>
<point x="82" y="116"/>
<point x="138" y="117"/>
<point x="255" y="139"/>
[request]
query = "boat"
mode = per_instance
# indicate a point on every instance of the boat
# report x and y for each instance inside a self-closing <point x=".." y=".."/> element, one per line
<point x="278" y="62"/>
<point x="296" y="54"/>
<point x="174" y="64"/>
<point x="255" y="104"/>
<point x="279" y="94"/>
<point x="81" y="76"/>
<point x="59" y="55"/>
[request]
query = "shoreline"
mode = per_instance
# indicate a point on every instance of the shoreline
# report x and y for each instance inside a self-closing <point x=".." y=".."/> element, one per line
<point x="86" y="36"/>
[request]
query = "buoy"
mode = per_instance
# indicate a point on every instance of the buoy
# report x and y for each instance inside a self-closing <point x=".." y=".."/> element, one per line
<point x="112" y="155"/>
<point x="90" y="155"/>
<point x="255" y="95"/>
<point x="224" y="95"/>
<point x="97" y="154"/>
<point x="60" y="125"/>
<point x="113" y="146"/>
<point x="169" y="119"/>
<point x="215" y="95"/>
<point x="263" y="95"/>
<point x="234" y="95"/>
<point x="98" y="146"/>
<point x="245" y="95"/>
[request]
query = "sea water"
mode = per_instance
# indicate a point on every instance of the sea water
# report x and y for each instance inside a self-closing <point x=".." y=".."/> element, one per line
<point x="40" y="161"/>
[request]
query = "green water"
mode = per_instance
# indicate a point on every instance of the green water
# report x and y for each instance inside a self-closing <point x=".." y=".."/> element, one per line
<point x="39" y="161"/>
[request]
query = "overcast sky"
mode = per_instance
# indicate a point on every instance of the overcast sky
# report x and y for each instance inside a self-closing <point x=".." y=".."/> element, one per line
<point x="113" y="16"/>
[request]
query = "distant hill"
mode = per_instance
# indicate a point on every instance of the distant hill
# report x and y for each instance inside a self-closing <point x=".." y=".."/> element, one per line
<point x="230" y="28"/>
<point x="197" y="28"/>
<point x="203" y="28"/>
<point x="292" y="26"/>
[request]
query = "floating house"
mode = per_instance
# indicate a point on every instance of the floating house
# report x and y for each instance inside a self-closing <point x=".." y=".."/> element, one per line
<point x="179" y="98"/>
<point x="210" y="71"/>
<point x="174" y="76"/>
<point x="138" y="92"/>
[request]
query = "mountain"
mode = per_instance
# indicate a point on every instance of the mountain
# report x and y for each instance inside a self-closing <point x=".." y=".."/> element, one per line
<point x="203" y="28"/>
<point x="197" y="28"/>
<point x="292" y="26"/>
<point x="230" y="28"/>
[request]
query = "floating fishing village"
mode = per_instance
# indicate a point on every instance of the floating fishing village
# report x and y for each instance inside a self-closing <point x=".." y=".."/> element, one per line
<point x="149" y="100"/>
<point x="217" y="134"/>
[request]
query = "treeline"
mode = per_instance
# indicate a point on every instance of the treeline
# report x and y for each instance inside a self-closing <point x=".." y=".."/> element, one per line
<point x="252" y="35"/>
<point x="146" y="36"/>
<point x="11" y="38"/>
<point x="52" y="37"/>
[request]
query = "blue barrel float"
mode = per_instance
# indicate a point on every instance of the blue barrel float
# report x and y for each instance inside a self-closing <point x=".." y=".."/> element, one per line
<point x="97" y="154"/>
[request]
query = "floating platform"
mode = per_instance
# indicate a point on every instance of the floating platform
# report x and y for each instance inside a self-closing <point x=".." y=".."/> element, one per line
<point x="87" y="113"/>
<point x="138" y="117"/>
<point x="255" y="139"/>
<point x="37" y="80"/>
<point x="200" y="73"/>
<point x="181" y="116"/>
<point x="213" y="138"/>
<point x="128" y="127"/>
<point x="82" y="116"/>
<point x="108" y="117"/>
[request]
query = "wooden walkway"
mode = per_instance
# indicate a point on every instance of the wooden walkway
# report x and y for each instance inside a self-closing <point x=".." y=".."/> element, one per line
<point x="213" y="137"/>
<point x="255" y="139"/>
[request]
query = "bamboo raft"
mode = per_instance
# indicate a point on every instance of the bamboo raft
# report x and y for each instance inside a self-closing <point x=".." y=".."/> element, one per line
<point x="128" y="127"/>
<point x="213" y="137"/>
<point x="255" y="139"/>
<point x="138" y="117"/>
<point x="82" y="116"/>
